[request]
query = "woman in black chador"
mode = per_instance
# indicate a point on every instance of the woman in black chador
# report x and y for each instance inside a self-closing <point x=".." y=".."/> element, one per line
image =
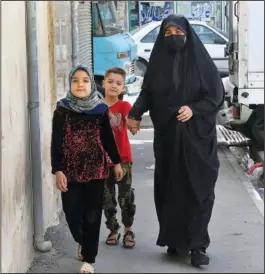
<point x="183" y="92"/>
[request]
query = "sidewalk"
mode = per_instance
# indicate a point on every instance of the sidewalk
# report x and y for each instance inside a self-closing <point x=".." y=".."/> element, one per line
<point x="236" y="229"/>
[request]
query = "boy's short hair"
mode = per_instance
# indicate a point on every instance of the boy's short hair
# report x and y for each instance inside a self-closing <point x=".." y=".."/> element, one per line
<point x="116" y="70"/>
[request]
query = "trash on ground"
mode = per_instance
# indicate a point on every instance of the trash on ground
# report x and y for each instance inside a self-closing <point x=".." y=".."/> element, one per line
<point x="254" y="170"/>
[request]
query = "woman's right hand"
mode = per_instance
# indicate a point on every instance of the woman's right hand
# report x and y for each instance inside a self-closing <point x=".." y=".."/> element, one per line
<point x="133" y="125"/>
<point x="61" y="181"/>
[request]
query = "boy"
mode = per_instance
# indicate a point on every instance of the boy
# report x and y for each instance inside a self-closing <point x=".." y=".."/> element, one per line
<point x="114" y="84"/>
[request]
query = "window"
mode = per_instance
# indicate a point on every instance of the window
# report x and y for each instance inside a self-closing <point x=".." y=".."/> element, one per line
<point x="97" y="25"/>
<point x="108" y="16"/>
<point x="151" y="36"/>
<point x="135" y="30"/>
<point x="105" y="21"/>
<point x="208" y="36"/>
<point x="224" y="33"/>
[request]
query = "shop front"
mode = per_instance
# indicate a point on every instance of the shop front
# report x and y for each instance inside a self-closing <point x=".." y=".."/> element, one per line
<point x="143" y="12"/>
<point x="208" y="11"/>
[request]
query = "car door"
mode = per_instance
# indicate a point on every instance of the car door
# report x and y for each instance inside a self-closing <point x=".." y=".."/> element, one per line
<point x="147" y="43"/>
<point x="214" y="43"/>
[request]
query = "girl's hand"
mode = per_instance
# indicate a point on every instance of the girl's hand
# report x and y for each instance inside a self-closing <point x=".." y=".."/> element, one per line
<point x="118" y="172"/>
<point x="61" y="181"/>
<point x="184" y="114"/>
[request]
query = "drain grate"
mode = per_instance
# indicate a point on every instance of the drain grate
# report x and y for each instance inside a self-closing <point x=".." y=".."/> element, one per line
<point x="227" y="137"/>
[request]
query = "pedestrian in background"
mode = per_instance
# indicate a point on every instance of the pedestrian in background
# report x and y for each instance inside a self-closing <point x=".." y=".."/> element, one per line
<point x="183" y="92"/>
<point x="114" y="84"/>
<point x="81" y="136"/>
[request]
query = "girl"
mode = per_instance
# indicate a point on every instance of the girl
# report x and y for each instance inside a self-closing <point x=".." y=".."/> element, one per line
<point x="81" y="136"/>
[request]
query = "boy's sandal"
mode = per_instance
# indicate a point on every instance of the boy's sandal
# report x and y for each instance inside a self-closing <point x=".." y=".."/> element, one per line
<point x="113" y="238"/>
<point x="129" y="238"/>
<point x="86" y="268"/>
<point x="79" y="254"/>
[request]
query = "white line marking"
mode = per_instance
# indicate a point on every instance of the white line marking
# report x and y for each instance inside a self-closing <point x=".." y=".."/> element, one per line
<point x="139" y="142"/>
<point x="146" y="129"/>
<point x="152" y="167"/>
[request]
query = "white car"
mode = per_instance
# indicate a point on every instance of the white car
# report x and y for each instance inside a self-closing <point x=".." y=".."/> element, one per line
<point x="213" y="39"/>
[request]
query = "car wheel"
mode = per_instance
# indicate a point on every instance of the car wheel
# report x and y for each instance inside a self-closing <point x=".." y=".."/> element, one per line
<point x="140" y="68"/>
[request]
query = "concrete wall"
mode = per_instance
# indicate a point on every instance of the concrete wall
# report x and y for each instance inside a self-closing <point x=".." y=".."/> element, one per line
<point x="16" y="197"/>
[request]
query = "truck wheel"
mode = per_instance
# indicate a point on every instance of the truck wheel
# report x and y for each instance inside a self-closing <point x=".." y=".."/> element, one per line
<point x="140" y="68"/>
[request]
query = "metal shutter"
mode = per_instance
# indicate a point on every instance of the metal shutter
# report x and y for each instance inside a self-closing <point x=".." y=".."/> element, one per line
<point x="84" y="22"/>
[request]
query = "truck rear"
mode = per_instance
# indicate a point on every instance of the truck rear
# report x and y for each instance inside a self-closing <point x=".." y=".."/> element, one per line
<point x="245" y="85"/>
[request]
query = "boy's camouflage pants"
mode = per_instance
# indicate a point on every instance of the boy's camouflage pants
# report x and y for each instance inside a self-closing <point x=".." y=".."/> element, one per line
<point x="125" y="199"/>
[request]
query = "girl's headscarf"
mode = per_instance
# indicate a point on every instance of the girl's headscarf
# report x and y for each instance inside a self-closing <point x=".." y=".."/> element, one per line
<point x="93" y="104"/>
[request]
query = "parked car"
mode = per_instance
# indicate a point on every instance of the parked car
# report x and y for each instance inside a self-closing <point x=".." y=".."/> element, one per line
<point x="213" y="39"/>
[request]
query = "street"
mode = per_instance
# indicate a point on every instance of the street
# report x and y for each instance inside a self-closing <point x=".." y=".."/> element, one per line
<point x="236" y="229"/>
<point x="47" y="42"/>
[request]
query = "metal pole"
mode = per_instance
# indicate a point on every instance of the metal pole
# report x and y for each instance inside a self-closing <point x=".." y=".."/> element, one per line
<point x="74" y="28"/>
<point x="33" y="106"/>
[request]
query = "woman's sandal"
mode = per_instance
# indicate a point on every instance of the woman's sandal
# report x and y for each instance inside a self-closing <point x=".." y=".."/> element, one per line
<point x="129" y="238"/>
<point x="79" y="253"/>
<point x="87" y="268"/>
<point x="111" y="240"/>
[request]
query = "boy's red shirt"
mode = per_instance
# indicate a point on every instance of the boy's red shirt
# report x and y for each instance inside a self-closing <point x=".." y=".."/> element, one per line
<point x="117" y="114"/>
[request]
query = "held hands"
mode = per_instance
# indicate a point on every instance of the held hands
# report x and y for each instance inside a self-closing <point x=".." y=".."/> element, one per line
<point x="118" y="171"/>
<point x="61" y="181"/>
<point x="184" y="114"/>
<point x="133" y="125"/>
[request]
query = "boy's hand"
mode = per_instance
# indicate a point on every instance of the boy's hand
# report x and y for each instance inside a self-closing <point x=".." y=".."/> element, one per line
<point x="133" y="125"/>
<point x="118" y="172"/>
<point x="61" y="181"/>
<point x="134" y="131"/>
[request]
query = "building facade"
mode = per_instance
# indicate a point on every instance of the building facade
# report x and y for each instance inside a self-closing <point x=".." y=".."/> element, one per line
<point x="27" y="203"/>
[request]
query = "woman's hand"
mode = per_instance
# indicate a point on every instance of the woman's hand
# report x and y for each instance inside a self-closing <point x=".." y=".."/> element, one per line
<point x="133" y="125"/>
<point x="118" y="171"/>
<point x="184" y="114"/>
<point x="61" y="181"/>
